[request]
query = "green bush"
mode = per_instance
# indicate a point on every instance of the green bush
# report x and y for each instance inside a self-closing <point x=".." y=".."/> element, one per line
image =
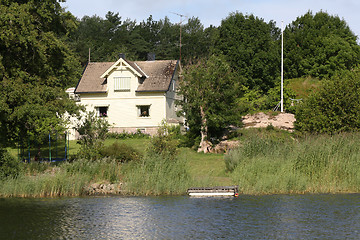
<point x="9" y="166"/>
<point x="164" y="142"/>
<point x="120" y="152"/>
<point x="92" y="130"/>
<point x="334" y="108"/>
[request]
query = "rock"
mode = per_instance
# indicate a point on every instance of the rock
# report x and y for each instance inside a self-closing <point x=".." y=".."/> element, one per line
<point x="103" y="189"/>
<point x="95" y="186"/>
<point x="283" y="121"/>
<point x="225" y="146"/>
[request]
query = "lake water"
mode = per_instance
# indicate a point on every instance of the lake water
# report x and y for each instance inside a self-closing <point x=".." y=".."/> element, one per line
<point x="245" y="217"/>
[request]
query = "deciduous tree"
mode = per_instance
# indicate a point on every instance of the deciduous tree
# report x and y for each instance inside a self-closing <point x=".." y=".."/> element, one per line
<point x="319" y="46"/>
<point x="36" y="65"/>
<point x="209" y="90"/>
<point x="252" y="49"/>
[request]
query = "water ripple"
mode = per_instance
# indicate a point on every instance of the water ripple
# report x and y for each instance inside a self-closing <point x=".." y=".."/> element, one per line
<point x="246" y="217"/>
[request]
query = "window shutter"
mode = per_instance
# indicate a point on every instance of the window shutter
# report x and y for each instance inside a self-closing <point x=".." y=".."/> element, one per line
<point x="122" y="83"/>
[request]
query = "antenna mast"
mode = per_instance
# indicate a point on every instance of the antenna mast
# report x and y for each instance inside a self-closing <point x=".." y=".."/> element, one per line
<point x="181" y="16"/>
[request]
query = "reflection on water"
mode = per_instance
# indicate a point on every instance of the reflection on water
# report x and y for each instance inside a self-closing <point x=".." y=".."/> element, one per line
<point x="246" y="217"/>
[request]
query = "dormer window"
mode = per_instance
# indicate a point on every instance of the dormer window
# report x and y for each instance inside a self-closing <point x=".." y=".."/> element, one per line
<point x="122" y="84"/>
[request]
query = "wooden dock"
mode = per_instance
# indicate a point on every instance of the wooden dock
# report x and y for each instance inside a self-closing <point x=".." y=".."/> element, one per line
<point x="214" y="191"/>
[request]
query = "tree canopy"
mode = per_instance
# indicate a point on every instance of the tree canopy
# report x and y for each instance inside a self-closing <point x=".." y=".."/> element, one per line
<point x="36" y="65"/>
<point x="109" y="37"/>
<point x="319" y="45"/>
<point x="251" y="48"/>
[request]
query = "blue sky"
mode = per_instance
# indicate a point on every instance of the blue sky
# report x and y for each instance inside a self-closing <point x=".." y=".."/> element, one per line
<point x="211" y="12"/>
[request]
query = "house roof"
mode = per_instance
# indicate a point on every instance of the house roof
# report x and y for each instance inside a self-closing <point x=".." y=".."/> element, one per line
<point x="157" y="75"/>
<point x="160" y="74"/>
<point x="91" y="81"/>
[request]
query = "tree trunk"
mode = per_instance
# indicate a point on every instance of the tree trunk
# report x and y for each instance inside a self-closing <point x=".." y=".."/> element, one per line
<point x="205" y="145"/>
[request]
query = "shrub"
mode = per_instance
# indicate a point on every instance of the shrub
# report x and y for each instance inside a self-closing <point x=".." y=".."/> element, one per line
<point x="163" y="143"/>
<point x="92" y="130"/>
<point x="334" y="108"/>
<point x="121" y="152"/>
<point x="9" y="166"/>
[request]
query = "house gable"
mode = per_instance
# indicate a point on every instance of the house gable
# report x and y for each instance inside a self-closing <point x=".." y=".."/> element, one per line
<point x="122" y="64"/>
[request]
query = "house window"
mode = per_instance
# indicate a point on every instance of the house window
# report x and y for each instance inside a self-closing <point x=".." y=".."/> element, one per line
<point x="144" y="111"/>
<point x="122" y="83"/>
<point x="102" y="111"/>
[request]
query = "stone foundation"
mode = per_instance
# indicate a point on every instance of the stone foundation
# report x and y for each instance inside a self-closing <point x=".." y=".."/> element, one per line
<point x="147" y="130"/>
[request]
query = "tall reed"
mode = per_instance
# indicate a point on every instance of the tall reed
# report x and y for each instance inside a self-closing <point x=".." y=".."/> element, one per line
<point x="315" y="164"/>
<point x="45" y="185"/>
<point x="156" y="175"/>
<point x="65" y="179"/>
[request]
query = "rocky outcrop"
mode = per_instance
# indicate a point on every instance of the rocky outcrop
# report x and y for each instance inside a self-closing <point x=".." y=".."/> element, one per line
<point x="103" y="189"/>
<point x="283" y="121"/>
<point x="225" y="146"/>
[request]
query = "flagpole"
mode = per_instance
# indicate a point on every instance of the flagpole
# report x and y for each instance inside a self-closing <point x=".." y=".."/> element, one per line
<point x="282" y="67"/>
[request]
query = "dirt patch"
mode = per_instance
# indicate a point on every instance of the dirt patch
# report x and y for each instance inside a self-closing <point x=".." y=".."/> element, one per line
<point x="283" y="121"/>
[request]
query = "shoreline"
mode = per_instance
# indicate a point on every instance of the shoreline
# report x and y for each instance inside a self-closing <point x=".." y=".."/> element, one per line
<point x="115" y="189"/>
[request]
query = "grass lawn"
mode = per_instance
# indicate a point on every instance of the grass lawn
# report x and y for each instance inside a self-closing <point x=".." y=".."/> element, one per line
<point x="207" y="169"/>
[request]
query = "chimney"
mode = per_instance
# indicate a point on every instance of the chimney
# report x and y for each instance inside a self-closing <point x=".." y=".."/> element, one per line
<point x="122" y="55"/>
<point x="151" y="56"/>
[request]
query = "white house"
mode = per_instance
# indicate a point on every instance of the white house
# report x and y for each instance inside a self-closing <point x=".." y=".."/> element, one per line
<point x="132" y="95"/>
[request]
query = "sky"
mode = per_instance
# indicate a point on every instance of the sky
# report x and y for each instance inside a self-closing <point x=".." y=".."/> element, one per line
<point x="211" y="12"/>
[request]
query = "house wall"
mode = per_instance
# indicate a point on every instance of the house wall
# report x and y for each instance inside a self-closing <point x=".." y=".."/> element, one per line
<point x="171" y="97"/>
<point x="123" y="113"/>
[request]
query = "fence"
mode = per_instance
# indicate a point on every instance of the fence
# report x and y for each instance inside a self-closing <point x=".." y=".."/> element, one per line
<point x="52" y="148"/>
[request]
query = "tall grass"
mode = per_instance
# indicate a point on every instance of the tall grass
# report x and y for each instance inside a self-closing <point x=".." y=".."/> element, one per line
<point x="315" y="164"/>
<point x="65" y="179"/>
<point x="156" y="175"/>
<point x="44" y="186"/>
<point x="100" y="170"/>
